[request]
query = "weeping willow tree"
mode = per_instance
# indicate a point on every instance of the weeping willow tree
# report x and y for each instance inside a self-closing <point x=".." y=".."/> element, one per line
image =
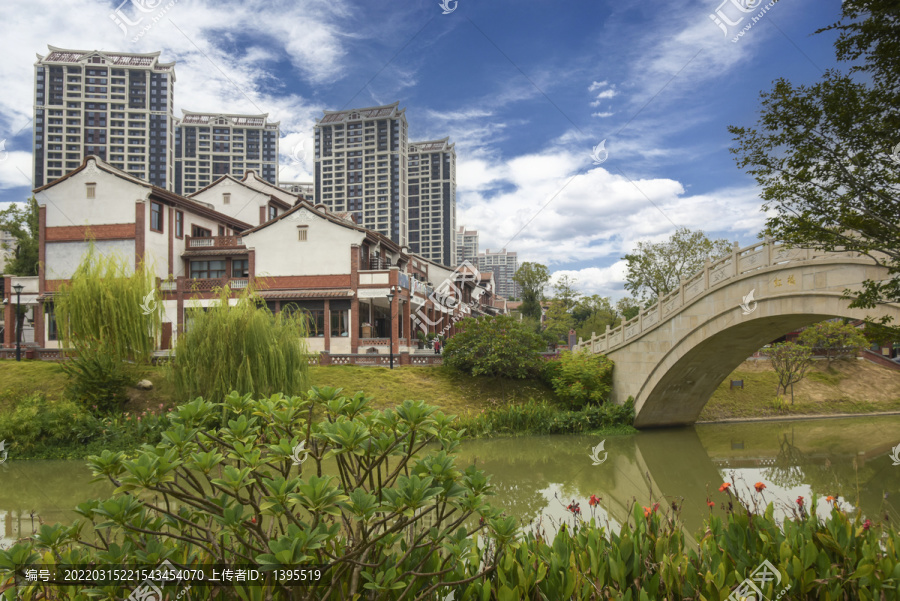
<point x="108" y="321"/>
<point x="242" y="347"/>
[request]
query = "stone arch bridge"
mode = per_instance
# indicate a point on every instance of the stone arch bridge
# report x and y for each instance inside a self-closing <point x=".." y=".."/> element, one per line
<point x="673" y="355"/>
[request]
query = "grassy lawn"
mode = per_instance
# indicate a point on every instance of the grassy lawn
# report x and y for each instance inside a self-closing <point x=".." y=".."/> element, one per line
<point x="452" y="392"/>
<point x="844" y="387"/>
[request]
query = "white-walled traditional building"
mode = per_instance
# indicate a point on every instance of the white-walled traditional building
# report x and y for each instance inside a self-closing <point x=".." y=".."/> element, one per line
<point x="364" y="293"/>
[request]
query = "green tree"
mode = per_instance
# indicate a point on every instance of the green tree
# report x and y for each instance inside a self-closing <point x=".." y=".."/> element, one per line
<point x="108" y="319"/>
<point x="822" y="154"/>
<point x="833" y="339"/>
<point x="499" y="346"/>
<point x="565" y="291"/>
<point x="583" y="378"/>
<point x="656" y="269"/>
<point x="242" y="347"/>
<point x="790" y="362"/>
<point x="628" y="307"/>
<point x="532" y="278"/>
<point x="21" y="222"/>
<point x="592" y="314"/>
<point x="558" y="321"/>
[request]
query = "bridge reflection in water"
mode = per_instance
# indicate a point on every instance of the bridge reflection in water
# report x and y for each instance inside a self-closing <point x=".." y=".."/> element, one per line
<point x="845" y="458"/>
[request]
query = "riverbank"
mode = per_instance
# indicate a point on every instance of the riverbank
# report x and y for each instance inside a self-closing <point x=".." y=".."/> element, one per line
<point x="845" y="388"/>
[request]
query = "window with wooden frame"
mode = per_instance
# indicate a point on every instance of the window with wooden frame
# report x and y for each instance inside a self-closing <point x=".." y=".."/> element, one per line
<point x="200" y="232"/>
<point x="221" y="230"/>
<point x="90" y="190"/>
<point x="179" y="224"/>
<point x="226" y="198"/>
<point x="273" y="212"/>
<point x="301" y="232"/>
<point x="156" y="216"/>
<point x="205" y="270"/>
<point x="240" y="268"/>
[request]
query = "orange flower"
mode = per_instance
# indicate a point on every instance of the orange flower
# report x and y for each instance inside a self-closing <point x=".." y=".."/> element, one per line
<point x="759" y="486"/>
<point x="646" y="511"/>
<point x="710" y="503"/>
<point x="724" y="487"/>
<point x="830" y="499"/>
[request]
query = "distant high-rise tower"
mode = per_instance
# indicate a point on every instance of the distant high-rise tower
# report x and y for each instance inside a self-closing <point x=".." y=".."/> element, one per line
<point x="432" y="200"/>
<point x="360" y="167"/>
<point x="466" y="246"/>
<point x="114" y="105"/>
<point x="504" y="265"/>
<point x="210" y="145"/>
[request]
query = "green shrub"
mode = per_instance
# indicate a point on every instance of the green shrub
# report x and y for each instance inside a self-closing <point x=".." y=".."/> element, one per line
<point x="396" y="515"/>
<point x="540" y="418"/>
<point x="34" y="423"/>
<point x="498" y="346"/>
<point x="582" y="378"/>
<point x="35" y="428"/>
<point x="98" y="379"/>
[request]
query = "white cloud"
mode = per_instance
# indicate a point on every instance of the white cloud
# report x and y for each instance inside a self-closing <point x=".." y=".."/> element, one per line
<point x="597" y="85"/>
<point x="607" y="94"/>
<point x="605" y="281"/>
<point x="550" y="209"/>
<point x="602" y="115"/>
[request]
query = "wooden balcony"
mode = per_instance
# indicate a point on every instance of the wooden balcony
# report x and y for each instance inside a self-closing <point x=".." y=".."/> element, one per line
<point x="213" y="242"/>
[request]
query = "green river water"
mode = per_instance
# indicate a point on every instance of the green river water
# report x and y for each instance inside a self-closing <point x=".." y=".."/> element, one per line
<point x="536" y="477"/>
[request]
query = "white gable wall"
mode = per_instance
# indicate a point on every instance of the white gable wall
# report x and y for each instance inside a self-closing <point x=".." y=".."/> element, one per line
<point x="326" y="250"/>
<point x="244" y="205"/>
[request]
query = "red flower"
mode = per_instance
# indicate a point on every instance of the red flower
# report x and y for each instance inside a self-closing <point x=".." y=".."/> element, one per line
<point x="594" y="501"/>
<point x="800" y="501"/>
<point x="253" y="519"/>
<point x="574" y="507"/>
<point x="646" y="511"/>
<point x="655" y="506"/>
<point x="759" y="486"/>
<point x="724" y="487"/>
<point x="867" y="524"/>
<point x="710" y="503"/>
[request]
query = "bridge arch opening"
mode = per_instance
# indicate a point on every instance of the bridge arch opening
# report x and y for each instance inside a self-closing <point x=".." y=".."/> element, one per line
<point x="679" y="386"/>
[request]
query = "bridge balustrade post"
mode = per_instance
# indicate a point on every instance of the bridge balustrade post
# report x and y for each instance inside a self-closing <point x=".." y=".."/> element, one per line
<point x="734" y="259"/>
<point x="706" y="276"/>
<point x="769" y="244"/>
<point x="681" y="294"/>
<point x="659" y="309"/>
<point x="607" y="337"/>
<point x="641" y="320"/>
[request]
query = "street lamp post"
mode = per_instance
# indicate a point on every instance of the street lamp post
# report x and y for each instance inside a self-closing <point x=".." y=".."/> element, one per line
<point x="390" y="298"/>
<point x="18" y="288"/>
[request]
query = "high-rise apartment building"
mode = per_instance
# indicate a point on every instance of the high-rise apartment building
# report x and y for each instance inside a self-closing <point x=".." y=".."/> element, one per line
<point x="504" y="265"/>
<point x="305" y="190"/>
<point x="210" y="145"/>
<point x="114" y="105"/>
<point x="360" y="167"/>
<point x="432" y="200"/>
<point x="466" y="246"/>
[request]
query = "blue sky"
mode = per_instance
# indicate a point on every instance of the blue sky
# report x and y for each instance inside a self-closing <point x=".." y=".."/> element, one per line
<point x="525" y="89"/>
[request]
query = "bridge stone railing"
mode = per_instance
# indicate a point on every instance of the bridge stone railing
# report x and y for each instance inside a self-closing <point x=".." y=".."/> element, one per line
<point x="741" y="260"/>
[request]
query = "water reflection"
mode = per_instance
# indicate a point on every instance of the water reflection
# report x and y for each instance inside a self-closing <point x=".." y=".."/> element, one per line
<point x="536" y="477"/>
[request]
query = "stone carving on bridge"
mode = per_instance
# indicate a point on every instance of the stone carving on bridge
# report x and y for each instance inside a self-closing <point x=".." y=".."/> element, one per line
<point x="651" y="317"/>
<point x="670" y="305"/>
<point x="719" y="275"/>
<point x="631" y="330"/>
<point x="786" y="254"/>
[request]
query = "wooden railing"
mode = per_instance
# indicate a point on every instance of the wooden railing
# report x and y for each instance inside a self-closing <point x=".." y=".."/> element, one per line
<point x="213" y="242"/>
<point x="741" y="260"/>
